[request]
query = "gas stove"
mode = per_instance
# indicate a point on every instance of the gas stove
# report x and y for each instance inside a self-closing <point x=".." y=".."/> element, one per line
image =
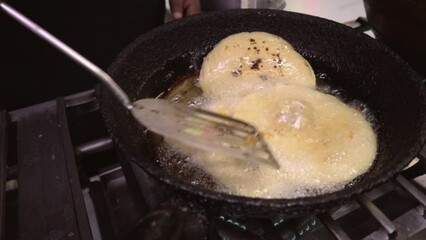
<point x="64" y="179"/>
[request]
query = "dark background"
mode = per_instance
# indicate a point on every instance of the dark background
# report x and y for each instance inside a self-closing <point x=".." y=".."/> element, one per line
<point x="31" y="71"/>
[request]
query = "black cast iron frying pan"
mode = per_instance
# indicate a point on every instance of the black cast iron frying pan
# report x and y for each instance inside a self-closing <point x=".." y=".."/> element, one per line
<point x="360" y="66"/>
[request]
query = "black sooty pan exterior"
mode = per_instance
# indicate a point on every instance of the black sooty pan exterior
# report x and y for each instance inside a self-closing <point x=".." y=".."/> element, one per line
<point x="352" y="61"/>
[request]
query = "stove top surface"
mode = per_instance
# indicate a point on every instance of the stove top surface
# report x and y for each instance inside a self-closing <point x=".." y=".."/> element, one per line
<point x="62" y="169"/>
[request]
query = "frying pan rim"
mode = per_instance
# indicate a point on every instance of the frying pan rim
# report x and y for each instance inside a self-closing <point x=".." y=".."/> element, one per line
<point x="337" y="196"/>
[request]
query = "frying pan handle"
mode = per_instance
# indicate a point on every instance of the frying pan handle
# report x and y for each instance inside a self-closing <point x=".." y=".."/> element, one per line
<point x="102" y="75"/>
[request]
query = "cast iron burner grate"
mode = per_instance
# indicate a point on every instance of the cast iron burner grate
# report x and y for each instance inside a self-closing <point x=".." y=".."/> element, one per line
<point x="63" y="179"/>
<point x="47" y="194"/>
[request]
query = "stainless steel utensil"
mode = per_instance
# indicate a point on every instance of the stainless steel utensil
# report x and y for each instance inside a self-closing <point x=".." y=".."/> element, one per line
<point x="197" y="128"/>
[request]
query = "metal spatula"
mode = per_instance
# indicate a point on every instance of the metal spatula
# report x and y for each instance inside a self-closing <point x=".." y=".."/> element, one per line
<point x="197" y="128"/>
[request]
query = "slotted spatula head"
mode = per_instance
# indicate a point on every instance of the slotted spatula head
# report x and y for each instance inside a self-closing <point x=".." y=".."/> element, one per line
<point x="204" y="130"/>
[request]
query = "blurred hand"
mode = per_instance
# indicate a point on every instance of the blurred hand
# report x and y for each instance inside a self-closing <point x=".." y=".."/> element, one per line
<point x="183" y="8"/>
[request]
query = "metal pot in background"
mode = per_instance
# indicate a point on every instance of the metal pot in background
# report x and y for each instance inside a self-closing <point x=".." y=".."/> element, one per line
<point x="401" y="24"/>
